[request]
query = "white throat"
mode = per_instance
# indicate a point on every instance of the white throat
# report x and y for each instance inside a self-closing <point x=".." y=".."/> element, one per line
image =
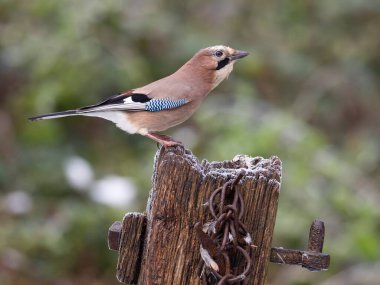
<point x="222" y="74"/>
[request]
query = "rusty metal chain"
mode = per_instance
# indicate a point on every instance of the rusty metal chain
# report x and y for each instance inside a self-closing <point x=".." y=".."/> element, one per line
<point x="225" y="241"/>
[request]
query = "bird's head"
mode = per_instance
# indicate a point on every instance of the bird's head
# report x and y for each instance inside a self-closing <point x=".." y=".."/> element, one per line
<point x="218" y="61"/>
<point x="220" y="56"/>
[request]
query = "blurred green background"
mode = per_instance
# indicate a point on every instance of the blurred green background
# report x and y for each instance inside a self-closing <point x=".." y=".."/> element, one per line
<point x="308" y="93"/>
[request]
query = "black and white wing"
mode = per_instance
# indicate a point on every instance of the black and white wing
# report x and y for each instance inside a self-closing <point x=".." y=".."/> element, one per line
<point x="128" y="101"/>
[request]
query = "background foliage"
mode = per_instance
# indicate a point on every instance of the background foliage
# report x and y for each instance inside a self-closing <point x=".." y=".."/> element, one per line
<point x="308" y="93"/>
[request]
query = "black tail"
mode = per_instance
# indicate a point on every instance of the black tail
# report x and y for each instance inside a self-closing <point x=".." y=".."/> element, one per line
<point x="54" y="115"/>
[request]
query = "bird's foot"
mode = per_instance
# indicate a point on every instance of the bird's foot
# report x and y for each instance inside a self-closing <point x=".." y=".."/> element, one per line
<point x="164" y="140"/>
<point x="167" y="144"/>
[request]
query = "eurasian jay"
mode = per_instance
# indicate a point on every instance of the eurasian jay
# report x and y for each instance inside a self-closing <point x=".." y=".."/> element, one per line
<point x="166" y="102"/>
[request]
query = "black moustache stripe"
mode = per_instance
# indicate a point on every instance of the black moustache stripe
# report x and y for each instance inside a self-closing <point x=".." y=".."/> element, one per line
<point x="223" y="63"/>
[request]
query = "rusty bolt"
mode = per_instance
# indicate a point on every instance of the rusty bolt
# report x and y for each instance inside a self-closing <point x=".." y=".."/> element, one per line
<point x="316" y="236"/>
<point x="313" y="258"/>
<point x="114" y="233"/>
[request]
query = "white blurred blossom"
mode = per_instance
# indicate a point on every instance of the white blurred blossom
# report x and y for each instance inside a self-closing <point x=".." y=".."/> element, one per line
<point x="18" y="202"/>
<point x="115" y="191"/>
<point x="78" y="172"/>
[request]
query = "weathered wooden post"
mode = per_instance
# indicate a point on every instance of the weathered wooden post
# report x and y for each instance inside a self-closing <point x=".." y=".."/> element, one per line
<point x="160" y="245"/>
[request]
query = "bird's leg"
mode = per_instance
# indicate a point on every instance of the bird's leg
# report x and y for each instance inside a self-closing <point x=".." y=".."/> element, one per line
<point x="166" y="141"/>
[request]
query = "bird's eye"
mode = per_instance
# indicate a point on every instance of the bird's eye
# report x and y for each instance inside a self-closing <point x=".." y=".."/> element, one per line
<point x="219" y="53"/>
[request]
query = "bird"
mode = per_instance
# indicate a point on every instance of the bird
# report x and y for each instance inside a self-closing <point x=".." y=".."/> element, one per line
<point x="167" y="102"/>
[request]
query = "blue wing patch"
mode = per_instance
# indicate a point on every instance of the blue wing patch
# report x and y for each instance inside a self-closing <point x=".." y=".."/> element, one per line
<point x="164" y="104"/>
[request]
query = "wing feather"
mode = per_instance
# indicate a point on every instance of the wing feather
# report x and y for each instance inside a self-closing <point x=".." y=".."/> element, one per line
<point x="134" y="102"/>
<point x="127" y="101"/>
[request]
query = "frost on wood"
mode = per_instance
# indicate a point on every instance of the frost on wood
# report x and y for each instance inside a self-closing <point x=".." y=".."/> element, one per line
<point x="164" y="237"/>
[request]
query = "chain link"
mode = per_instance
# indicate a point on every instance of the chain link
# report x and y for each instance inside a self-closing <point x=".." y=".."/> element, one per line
<point x="225" y="241"/>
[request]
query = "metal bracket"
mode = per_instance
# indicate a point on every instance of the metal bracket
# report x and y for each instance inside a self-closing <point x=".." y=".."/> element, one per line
<point x="312" y="259"/>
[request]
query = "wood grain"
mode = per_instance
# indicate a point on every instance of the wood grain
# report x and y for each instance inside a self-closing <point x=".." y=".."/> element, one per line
<point x="168" y="247"/>
<point x="130" y="249"/>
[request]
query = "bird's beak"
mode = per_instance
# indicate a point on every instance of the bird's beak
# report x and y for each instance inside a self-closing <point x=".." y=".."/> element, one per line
<point x="238" y="54"/>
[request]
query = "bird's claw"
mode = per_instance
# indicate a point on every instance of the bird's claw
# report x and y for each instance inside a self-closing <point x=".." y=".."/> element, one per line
<point x="164" y="140"/>
<point x="170" y="143"/>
